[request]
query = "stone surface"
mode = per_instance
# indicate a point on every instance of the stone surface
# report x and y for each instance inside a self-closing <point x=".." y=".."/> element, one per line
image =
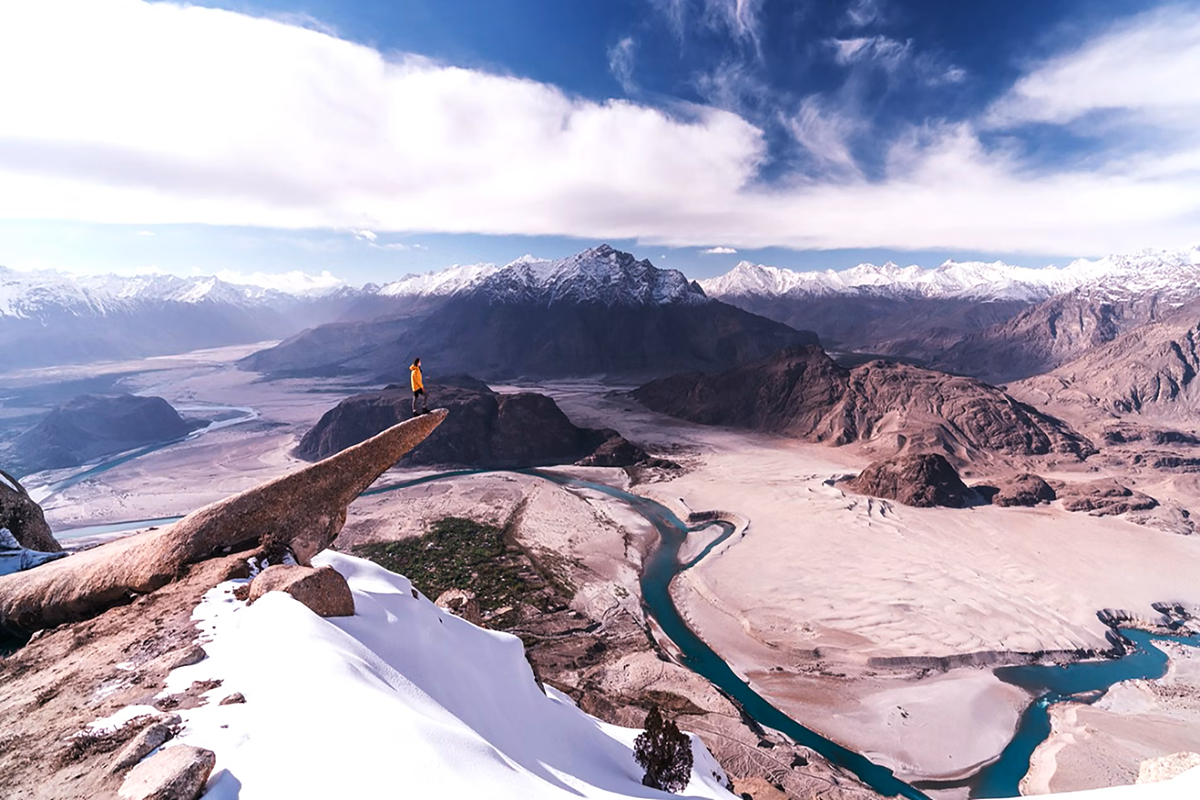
<point x="322" y="589"/>
<point x="803" y="393"/>
<point x="149" y="739"/>
<point x="23" y="517"/>
<point x="922" y="480"/>
<point x="461" y="603"/>
<point x="1163" y="768"/>
<point x="177" y="773"/>
<point x="309" y="505"/>
<point x="237" y="698"/>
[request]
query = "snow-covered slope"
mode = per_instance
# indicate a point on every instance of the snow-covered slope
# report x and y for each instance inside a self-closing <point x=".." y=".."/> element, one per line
<point x="598" y="275"/>
<point x="1175" y="272"/>
<point x="400" y="700"/>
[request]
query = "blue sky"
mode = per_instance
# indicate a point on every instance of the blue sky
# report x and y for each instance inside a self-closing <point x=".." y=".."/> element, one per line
<point x="371" y="139"/>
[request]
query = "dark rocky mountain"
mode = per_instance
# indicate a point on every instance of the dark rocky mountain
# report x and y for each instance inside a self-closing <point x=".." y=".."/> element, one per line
<point x="483" y="430"/>
<point x="916" y="328"/>
<point x="923" y="480"/>
<point x="600" y="312"/>
<point x="90" y="426"/>
<point x="801" y="392"/>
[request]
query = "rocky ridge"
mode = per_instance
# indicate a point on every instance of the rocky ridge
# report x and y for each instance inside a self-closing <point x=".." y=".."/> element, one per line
<point x="895" y="408"/>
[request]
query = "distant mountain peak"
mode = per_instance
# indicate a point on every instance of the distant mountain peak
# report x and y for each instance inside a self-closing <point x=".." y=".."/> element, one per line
<point x="1170" y="272"/>
<point x="600" y="274"/>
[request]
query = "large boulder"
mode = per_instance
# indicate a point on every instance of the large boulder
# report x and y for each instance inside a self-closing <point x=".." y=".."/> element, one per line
<point x="24" y="518"/>
<point x="176" y="773"/>
<point x="322" y="589"/>
<point x="1025" y="489"/>
<point x="307" y="507"/>
<point x="922" y="480"/>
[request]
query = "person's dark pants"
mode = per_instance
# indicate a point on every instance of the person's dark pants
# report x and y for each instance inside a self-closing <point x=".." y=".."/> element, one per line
<point x="424" y="397"/>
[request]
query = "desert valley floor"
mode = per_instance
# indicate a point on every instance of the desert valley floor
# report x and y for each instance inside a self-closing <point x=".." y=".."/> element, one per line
<point x="876" y="624"/>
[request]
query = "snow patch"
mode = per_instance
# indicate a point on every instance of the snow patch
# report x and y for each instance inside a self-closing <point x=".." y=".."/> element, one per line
<point x="400" y="698"/>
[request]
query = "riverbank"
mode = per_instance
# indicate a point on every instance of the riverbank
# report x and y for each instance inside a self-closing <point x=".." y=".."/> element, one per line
<point x="1107" y="742"/>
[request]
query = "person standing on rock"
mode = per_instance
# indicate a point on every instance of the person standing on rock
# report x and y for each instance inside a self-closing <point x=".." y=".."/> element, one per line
<point x="418" y="387"/>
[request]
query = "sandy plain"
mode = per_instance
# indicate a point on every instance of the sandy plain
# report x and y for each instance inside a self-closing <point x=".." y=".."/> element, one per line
<point x="849" y="613"/>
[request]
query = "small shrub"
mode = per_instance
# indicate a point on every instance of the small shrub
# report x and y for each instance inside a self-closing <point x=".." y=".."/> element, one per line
<point x="665" y="752"/>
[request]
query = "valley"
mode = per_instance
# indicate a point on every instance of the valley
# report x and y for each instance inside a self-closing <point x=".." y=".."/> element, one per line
<point x="875" y="624"/>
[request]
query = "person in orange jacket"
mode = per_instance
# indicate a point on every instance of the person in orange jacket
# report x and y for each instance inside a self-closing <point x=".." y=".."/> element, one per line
<point x="418" y="386"/>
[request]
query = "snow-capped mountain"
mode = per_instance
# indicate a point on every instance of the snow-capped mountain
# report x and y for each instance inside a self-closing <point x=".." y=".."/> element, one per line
<point x="600" y="275"/>
<point x="1176" y="272"/>
<point x="598" y="312"/>
<point x="447" y="282"/>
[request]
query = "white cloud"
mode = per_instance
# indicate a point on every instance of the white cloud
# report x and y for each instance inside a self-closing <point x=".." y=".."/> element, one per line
<point x="1149" y="66"/>
<point x="887" y="53"/>
<point x="247" y="121"/>
<point x="366" y="236"/>
<point x="864" y="12"/>
<point x="620" y="63"/>
<point x="742" y="19"/>
<point x="294" y="282"/>
<point x="825" y="133"/>
<point x="718" y="251"/>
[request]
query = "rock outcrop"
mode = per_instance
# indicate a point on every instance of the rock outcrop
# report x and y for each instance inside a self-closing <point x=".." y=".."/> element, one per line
<point x="801" y="392"/>
<point x="176" y="773"/>
<point x="1103" y="498"/>
<point x="485" y="430"/>
<point x="24" y="518"/>
<point x="1025" y="489"/>
<point x="308" y="507"/>
<point x="322" y="589"/>
<point x="923" y="480"/>
<point x="90" y="426"/>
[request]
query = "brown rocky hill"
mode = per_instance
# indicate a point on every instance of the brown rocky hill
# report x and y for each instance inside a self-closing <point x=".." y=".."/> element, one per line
<point x="801" y="392"/>
<point x="1049" y="334"/>
<point x="923" y="480"/>
<point x="485" y="429"/>
<point x="93" y="425"/>
<point x="1150" y="370"/>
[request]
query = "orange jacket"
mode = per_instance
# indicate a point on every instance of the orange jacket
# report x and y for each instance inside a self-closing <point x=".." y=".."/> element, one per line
<point x="417" y="381"/>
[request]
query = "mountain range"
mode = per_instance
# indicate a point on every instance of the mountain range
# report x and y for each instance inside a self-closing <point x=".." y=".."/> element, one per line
<point x="599" y="312"/>
<point x="991" y="320"/>
<point x="50" y="318"/>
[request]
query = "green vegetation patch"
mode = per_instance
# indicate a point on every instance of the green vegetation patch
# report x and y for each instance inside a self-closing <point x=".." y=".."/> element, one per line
<point x="461" y="553"/>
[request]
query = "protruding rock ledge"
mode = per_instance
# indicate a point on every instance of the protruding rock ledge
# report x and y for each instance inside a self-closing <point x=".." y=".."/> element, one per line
<point x="308" y="507"/>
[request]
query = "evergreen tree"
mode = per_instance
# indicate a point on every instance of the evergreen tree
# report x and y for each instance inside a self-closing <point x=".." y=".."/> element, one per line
<point x="665" y="752"/>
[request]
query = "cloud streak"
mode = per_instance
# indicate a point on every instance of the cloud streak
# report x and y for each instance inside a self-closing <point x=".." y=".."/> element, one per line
<point x="248" y="121"/>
